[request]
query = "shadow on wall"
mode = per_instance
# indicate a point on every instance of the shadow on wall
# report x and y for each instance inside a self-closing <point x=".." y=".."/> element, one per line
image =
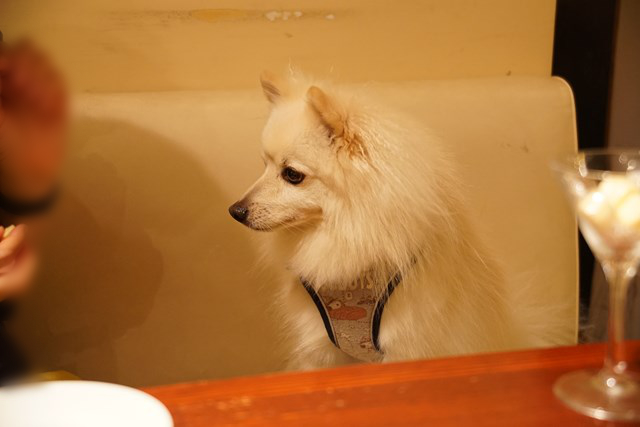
<point x="146" y="279"/>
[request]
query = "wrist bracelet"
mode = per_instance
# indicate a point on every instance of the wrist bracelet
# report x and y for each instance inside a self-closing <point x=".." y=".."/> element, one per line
<point x="28" y="208"/>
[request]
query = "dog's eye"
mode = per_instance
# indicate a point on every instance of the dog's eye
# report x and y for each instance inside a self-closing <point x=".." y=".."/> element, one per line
<point x="292" y="176"/>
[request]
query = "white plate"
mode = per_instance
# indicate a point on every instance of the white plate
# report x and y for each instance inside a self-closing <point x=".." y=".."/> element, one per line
<point x="80" y="404"/>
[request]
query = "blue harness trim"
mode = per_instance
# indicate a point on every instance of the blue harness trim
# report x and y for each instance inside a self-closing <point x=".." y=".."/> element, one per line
<point x="375" y="326"/>
<point x="325" y="317"/>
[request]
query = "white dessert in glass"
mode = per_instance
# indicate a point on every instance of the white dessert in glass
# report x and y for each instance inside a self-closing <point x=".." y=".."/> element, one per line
<point x="604" y="187"/>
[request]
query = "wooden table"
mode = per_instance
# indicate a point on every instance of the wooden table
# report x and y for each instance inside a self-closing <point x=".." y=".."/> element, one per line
<point x="504" y="389"/>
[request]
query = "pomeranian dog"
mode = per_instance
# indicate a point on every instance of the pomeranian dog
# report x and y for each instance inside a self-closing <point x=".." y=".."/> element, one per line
<point x="353" y="194"/>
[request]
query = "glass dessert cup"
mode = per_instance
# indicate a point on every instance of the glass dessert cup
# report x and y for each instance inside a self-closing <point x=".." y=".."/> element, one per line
<point x="604" y="187"/>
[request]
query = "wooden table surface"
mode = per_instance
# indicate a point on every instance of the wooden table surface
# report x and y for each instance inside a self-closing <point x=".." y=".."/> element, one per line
<point x="503" y="389"/>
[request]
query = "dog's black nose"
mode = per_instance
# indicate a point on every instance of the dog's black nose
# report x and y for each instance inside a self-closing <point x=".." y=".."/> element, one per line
<point x="239" y="211"/>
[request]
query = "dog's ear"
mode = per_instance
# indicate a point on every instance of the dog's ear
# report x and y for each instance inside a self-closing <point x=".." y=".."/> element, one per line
<point x="328" y="111"/>
<point x="334" y="117"/>
<point x="271" y="86"/>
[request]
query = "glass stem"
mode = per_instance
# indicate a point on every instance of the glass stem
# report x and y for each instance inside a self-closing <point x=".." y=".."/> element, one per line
<point x="619" y="275"/>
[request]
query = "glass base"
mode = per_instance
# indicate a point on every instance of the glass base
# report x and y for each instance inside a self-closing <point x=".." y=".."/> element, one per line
<point x="600" y="395"/>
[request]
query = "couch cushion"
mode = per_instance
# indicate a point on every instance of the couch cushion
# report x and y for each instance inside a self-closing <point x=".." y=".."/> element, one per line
<point x="151" y="281"/>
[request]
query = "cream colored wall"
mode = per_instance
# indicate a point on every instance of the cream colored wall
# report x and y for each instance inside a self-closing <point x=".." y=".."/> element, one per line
<point x="150" y="281"/>
<point x="150" y="45"/>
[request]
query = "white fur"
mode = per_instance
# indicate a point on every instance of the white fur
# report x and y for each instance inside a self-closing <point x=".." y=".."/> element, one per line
<point x="380" y="195"/>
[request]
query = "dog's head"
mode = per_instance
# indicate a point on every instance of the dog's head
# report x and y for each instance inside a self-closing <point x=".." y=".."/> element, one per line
<point x="307" y="134"/>
<point x="359" y="185"/>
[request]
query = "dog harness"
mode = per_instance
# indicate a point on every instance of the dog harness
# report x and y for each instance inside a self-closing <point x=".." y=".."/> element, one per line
<point x="352" y="316"/>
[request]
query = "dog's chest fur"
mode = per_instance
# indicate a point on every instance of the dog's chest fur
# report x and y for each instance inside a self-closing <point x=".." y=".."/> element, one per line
<point x="419" y="321"/>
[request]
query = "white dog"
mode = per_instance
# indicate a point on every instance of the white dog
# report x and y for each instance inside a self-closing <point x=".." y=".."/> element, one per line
<point x="360" y="202"/>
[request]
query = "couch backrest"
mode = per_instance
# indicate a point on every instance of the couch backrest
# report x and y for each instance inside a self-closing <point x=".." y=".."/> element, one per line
<point x="150" y="280"/>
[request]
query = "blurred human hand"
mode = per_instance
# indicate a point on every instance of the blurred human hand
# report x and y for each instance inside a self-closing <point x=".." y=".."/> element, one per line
<point x="17" y="263"/>
<point x="33" y="122"/>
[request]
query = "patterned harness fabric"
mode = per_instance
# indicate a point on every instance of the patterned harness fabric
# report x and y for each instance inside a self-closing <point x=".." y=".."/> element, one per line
<point x="352" y="317"/>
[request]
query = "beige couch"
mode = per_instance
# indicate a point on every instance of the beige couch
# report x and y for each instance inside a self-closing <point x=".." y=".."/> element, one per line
<point x="150" y="281"/>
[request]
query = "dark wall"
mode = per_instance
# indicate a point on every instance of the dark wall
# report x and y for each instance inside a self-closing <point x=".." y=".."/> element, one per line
<point x="582" y="54"/>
